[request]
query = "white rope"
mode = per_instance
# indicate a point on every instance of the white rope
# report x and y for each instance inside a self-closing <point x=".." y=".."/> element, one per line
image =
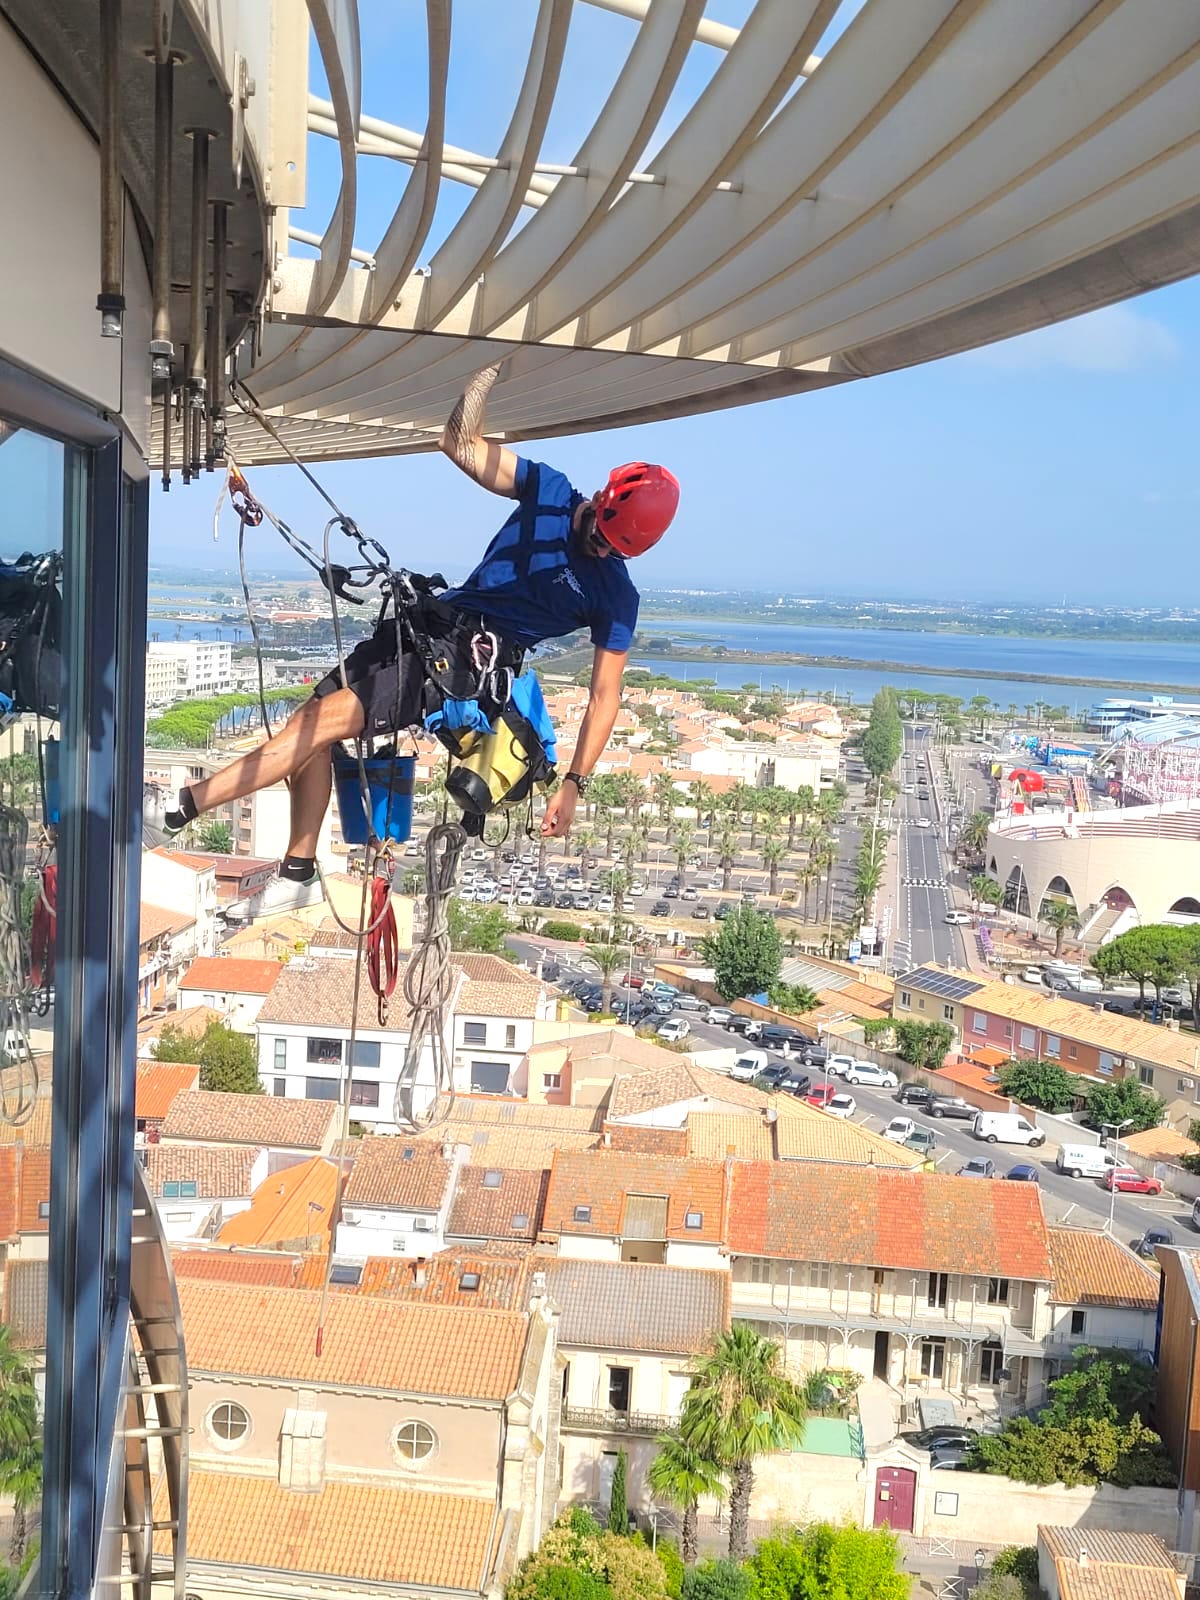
<point x="429" y="982"/>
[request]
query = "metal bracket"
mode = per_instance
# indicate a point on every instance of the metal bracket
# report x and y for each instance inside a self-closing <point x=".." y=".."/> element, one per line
<point x="244" y="88"/>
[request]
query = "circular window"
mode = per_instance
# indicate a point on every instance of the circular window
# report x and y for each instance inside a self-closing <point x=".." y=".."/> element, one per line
<point x="228" y="1424"/>
<point x="413" y="1442"/>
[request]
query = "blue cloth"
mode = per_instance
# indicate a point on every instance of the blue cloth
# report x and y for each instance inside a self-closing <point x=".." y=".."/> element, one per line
<point x="527" y="698"/>
<point x="455" y="714"/>
<point x="531" y="585"/>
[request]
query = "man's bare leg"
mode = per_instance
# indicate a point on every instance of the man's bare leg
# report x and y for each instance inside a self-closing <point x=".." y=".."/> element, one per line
<point x="308" y="733"/>
<point x="310" y="800"/>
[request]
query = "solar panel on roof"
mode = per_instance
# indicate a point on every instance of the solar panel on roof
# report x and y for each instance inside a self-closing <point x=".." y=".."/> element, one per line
<point x="943" y="984"/>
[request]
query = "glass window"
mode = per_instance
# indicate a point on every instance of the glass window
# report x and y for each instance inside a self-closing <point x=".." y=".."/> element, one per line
<point x="1072" y="1053"/>
<point x="321" y="1089"/>
<point x="474" y="1032"/>
<point x="583" y="1214"/>
<point x="510" y="1036"/>
<point x="1053" y="1045"/>
<point x="818" y="1274"/>
<point x="281" y="1055"/>
<point x="469" y="1281"/>
<point x="363" y="1094"/>
<point x="905" y="1000"/>
<point x="365" y="1054"/>
<point x="1107" y="1064"/>
<point x="413" y="1442"/>
<point x="492" y="1178"/>
<point x="1027" y="1038"/>
<point x="991" y="1363"/>
<point x="997" y="1291"/>
<point x="323" y="1052"/>
<point x="978" y="1021"/>
<point x="520" y="1221"/>
<point x="948" y="1013"/>
<point x="228" y="1424"/>
<point x="347" y="1273"/>
<point x="551" y="1080"/>
<point x="279" y="1087"/>
<point x="1078" y="1322"/>
<point x="694" y="1219"/>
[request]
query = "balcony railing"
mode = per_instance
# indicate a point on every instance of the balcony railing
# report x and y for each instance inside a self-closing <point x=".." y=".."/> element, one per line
<point x="586" y="1419"/>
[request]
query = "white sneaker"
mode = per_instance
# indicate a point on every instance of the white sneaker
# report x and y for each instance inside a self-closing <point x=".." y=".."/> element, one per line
<point x="284" y="894"/>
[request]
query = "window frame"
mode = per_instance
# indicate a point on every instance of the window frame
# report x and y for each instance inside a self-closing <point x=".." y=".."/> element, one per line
<point x="317" y="1057"/>
<point x="475" y="1033"/>
<point x="413" y="1462"/>
<point x="225" y="1442"/>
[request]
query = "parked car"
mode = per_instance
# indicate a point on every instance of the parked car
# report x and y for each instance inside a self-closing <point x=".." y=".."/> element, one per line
<point x="947" y="1434"/>
<point x="526" y="897"/>
<point x="1057" y="983"/>
<point x="873" y="1075"/>
<point x="1023" y="1172"/>
<point x="723" y="910"/>
<point x="605" y="903"/>
<point x="958" y="919"/>
<point x="739" y="1024"/>
<point x="978" y="1167"/>
<point x="719" y="1016"/>
<point x="564" y="902"/>
<point x="670" y="892"/>
<point x="795" y="1082"/>
<point x="842" y="1105"/>
<point x="900" y="1130"/>
<point x="815" y="1055"/>
<point x="914" y="1094"/>
<point x="749" y="1065"/>
<point x="821" y="1095"/>
<point x="1127" y="1180"/>
<point x="486" y="894"/>
<point x="581" y="902"/>
<point x="922" y="1140"/>
<point x="701" y="913"/>
<point x="837" y="1066"/>
<point x="636" y="981"/>
<point x="1150" y="1241"/>
<point x="1084" y="1160"/>
<point x="467" y="893"/>
<point x="674" y="1029"/>
<point x="637" y="888"/>
<point x="660" y="908"/>
<point x="948" y="1458"/>
<point x="1087" y="984"/>
<point x="772" y="1075"/>
<point x="689" y="893"/>
<point x="689" y="1002"/>
<point x="945" y="1105"/>
<point x="1032" y="975"/>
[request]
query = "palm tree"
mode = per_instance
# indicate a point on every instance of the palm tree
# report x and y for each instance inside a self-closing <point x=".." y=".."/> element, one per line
<point x="772" y="851"/>
<point x="633" y="794"/>
<point x="665" y="796"/>
<point x="606" y="819"/>
<point x="585" y="840"/>
<point x="702" y="798"/>
<point x="742" y="1404"/>
<point x="825" y="858"/>
<point x="799" y="805"/>
<point x="683" y="849"/>
<point x="609" y="958"/>
<point x="679" y="1474"/>
<point x="636" y="840"/>
<point x="978" y="887"/>
<point x="618" y="884"/>
<point x="727" y="849"/>
<point x="868" y="876"/>
<point x="808" y="876"/>
<point x="20" y="1441"/>
<point x="21" y="1477"/>
<point x="972" y="836"/>
<point x="1059" y="916"/>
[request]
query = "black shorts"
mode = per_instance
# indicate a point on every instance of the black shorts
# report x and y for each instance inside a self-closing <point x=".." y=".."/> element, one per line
<point x="392" y="699"/>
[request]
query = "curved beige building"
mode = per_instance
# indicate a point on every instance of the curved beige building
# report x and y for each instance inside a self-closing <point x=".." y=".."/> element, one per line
<point x="1121" y="868"/>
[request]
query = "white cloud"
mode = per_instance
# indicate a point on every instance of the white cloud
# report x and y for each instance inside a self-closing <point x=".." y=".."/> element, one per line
<point x="1112" y="339"/>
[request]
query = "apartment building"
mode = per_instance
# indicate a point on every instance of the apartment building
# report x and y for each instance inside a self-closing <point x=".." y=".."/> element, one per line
<point x="397" y="1198"/>
<point x="237" y="989"/>
<point x="188" y="888"/>
<point x="187" y="669"/>
<point x="495" y="1013"/>
<point x="1100" y="1294"/>
<point x="200" y="1186"/>
<point x="416" y="1452"/>
<point x="1028" y="1025"/>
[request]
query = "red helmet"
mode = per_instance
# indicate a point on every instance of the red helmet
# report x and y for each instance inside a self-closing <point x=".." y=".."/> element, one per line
<point x="635" y="507"/>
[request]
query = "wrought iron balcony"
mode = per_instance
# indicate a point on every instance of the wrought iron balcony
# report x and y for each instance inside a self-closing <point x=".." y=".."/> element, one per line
<point x="587" y="1419"/>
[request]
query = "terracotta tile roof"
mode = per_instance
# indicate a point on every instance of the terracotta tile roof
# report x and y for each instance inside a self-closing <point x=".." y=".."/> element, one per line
<point x="261" y="1268"/>
<point x="181" y="857"/>
<point x="317" y="990"/>
<point x="651" y="1141"/>
<point x="229" y="975"/>
<point x="605" y="1181"/>
<point x="667" y="1082"/>
<point x="290" y="1209"/>
<point x="803" y="1133"/>
<point x="1159" y="1144"/>
<point x="35" y="1132"/>
<point x="1119" y="1566"/>
<point x="1094" y="1269"/>
<point x="370" y="1343"/>
<point x="155" y="921"/>
<point x="503" y="1278"/>
<point x="374" y="1534"/>
<point x="257" y="1119"/>
<point x="625" y="1305"/>
<point x="10" y="1169"/>
<point x="716" y="1134"/>
<point x="867" y="1216"/>
<point x="1107" y="1030"/>
<point x="615" y="1042"/>
<point x="497" y="1203"/>
<point x="34" y="1216"/>
<point x="529" y="1149"/>
<point x="479" y="1111"/>
<point x="157" y="1085"/>
<point x="398" y="1172"/>
<point x="192" y="1020"/>
<point x="498" y="1000"/>
<point x="220" y="1172"/>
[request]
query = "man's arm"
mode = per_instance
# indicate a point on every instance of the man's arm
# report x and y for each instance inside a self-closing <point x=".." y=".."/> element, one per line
<point x="604" y="701"/>
<point x="490" y="464"/>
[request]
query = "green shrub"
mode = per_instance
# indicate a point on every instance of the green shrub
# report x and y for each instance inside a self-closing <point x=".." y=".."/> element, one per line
<point x="570" y="931"/>
<point x="1019" y="1560"/>
<point x="718" y="1580"/>
<point x="672" y="1564"/>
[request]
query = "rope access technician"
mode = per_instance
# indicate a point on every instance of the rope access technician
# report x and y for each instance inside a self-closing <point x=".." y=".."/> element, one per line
<point x="557" y="565"/>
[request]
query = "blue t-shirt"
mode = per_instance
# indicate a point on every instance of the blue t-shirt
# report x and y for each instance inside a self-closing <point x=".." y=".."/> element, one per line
<point x="532" y="585"/>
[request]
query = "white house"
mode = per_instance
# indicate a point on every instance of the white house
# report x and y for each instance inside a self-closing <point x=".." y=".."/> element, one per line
<point x="187" y="669"/>
<point x="237" y="988"/>
<point x="184" y="886"/>
<point x="398" y="1198"/>
<point x="495" y="1012"/>
<point x="1100" y="1294"/>
<point x="200" y="1186"/>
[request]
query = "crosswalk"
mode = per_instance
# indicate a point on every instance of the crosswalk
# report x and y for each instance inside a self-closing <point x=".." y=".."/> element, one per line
<point x="925" y="883"/>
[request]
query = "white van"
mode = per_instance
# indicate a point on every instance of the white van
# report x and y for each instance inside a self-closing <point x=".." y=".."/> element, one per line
<point x="1084" y="1160"/>
<point x="1006" y="1127"/>
<point x="749" y="1064"/>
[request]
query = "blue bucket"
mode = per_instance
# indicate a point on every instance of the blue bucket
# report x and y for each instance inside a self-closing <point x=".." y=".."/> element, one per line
<point x="51" y="766"/>
<point x="390" y="784"/>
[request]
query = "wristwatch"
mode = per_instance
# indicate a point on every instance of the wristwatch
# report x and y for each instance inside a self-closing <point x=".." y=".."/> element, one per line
<point x="580" y="782"/>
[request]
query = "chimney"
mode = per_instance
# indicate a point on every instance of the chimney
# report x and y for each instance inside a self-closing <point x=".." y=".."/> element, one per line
<point x="447" y="1152"/>
<point x="537" y="1289"/>
<point x="1083" y="1556"/>
<point x="420" y="1272"/>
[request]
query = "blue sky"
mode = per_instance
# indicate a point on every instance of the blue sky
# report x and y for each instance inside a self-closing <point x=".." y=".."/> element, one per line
<point x="1057" y="463"/>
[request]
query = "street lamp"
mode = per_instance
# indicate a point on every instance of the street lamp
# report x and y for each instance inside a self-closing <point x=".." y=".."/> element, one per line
<point x="980" y="1563"/>
<point x="1117" y="1128"/>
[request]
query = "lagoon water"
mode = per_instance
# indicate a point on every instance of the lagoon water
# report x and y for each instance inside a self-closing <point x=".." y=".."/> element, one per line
<point x="1052" y="659"/>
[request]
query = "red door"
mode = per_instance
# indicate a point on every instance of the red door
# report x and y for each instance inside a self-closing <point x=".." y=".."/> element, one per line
<point x="895" y="1492"/>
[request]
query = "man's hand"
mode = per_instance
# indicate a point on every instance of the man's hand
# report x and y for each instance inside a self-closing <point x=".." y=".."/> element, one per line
<point x="560" y="811"/>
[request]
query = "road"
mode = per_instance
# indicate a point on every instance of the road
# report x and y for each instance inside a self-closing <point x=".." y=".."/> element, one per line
<point x="1082" y="1202"/>
<point x="922" y="897"/>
